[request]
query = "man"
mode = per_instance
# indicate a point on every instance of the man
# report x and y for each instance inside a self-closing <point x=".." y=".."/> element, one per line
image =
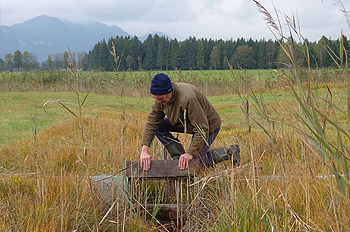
<point x="182" y="108"/>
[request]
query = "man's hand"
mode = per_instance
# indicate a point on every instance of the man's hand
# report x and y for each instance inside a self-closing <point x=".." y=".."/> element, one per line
<point x="184" y="159"/>
<point x="145" y="158"/>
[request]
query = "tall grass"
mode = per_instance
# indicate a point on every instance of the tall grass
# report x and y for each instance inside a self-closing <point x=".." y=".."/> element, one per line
<point x="136" y="84"/>
<point x="293" y="174"/>
<point x="321" y="125"/>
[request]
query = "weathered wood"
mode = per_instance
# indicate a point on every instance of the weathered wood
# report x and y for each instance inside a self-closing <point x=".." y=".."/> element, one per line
<point x="162" y="169"/>
<point x="109" y="188"/>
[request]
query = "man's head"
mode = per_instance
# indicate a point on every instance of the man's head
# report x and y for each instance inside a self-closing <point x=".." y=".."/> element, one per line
<point x="161" y="88"/>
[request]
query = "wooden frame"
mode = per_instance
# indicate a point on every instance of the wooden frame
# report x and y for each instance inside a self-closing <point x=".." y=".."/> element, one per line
<point x="162" y="169"/>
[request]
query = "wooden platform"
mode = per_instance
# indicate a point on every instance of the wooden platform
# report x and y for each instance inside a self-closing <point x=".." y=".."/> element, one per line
<point x="162" y="169"/>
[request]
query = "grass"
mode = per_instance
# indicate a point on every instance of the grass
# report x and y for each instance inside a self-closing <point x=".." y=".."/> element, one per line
<point x="18" y="109"/>
<point x="49" y="162"/>
<point x="134" y="84"/>
<point x="293" y="136"/>
<point x="48" y="169"/>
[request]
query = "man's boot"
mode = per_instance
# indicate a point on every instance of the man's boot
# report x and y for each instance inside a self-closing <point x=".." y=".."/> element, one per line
<point x="175" y="149"/>
<point x="226" y="153"/>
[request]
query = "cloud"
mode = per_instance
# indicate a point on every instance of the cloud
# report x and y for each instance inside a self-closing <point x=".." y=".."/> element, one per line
<point x="183" y="18"/>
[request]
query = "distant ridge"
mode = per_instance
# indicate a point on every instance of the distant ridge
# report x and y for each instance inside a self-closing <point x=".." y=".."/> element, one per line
<point x="45" y="35"/>
<point x="160" y="34"/>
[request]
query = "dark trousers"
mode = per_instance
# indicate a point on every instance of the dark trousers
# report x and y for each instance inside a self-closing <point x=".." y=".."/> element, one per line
<point x="165" y="137"/>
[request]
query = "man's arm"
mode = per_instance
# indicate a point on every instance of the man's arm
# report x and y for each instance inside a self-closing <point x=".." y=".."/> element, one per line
<point x="153" y="120"/>
<point x="197" y="117"/>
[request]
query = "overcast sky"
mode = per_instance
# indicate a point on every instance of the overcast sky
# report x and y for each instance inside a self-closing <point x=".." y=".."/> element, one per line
<point x="216" y="19"/>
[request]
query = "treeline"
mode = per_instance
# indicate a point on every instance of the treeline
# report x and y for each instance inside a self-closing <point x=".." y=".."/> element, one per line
<point x="161" y="53"/>
<point x="27" y="61"/>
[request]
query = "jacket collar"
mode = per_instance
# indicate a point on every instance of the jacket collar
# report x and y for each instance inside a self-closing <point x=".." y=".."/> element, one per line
<point x="174" y="93"/>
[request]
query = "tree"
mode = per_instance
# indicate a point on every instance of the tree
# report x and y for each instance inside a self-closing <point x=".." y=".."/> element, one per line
<point x="8" y="61"/>
<point x="1" y="65"/>
<point x="130" y="62"/>
<point x="313" y="60"/>
<point x="150" y="46"/>
<point x="103" y="55"/>
<point x="220" y="44"/>
<point x="57" y="61"/>
<point x="65" y="60"/>
<point x="81" y="60"/>
<point x="49" y="63"/>
<point x="295" y="51"/>
<point x="119" y="54"/>
<point x="137" y="51"/>
<point x="17" y="60"/>
<point x="95" y="59"/>
<point x="214" y="58"/>
<point x="271" y="53"/>
<point x="321" y="50"/>
<point x="34" y="61"/>
<point x="201" y="54"/>
<point x="26" y="62"/>
<point x="174" y="54"/>
<point x="261" y="57"/>
<point x="162" y="54"/>
<point x="188" y="53"/>
<point x="243" y="57"/>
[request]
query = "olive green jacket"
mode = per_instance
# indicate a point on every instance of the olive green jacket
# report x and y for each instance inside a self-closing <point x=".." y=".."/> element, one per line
<point x="187" y="108"/>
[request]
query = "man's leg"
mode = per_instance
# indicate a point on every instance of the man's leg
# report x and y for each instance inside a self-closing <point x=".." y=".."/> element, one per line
<point x="204" y="155"/>
<point x="231" y="152"/>
<point x="163" y="132"/>
<point x="172" y="144"/>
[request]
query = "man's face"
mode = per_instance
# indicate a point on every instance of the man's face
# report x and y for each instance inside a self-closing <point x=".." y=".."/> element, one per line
<point x="164" y="99"/>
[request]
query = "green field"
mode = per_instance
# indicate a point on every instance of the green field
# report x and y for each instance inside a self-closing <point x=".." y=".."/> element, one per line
<point x="21" y="112"/>
<point x="47" y="157"/>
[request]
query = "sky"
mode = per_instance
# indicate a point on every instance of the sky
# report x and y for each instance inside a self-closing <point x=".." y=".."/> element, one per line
<point x="215" y="19"/>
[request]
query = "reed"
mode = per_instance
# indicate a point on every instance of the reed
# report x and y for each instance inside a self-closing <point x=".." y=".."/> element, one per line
<point x="294" y="160"/>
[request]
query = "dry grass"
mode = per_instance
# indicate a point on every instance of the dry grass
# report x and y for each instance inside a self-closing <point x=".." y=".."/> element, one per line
<point x="50" y="175"/>
<point x="290" y="154"/>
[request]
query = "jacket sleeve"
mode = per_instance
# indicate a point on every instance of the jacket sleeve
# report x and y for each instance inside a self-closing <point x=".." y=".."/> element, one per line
<point x="197" y="117"/>
<point x="154" y="118"/>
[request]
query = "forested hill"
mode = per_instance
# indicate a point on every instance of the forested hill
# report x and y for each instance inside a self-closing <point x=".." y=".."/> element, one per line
<point x="201" y="54"/>
<point x="44" y="35"/>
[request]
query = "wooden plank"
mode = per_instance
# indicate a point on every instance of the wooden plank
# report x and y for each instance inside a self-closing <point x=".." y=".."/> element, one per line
<point x="161" y="169"/>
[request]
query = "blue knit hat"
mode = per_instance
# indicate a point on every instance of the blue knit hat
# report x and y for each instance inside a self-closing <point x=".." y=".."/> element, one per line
<point x="161" y="84"/>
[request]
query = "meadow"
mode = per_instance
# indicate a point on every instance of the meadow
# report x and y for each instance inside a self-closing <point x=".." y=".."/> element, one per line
<point x="135" y="84"/>
<point x="60" y="128"/>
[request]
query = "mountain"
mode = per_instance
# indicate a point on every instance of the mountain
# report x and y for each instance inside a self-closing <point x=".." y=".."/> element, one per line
<point x="45" y="35"/>
<point x="160" y="34"/>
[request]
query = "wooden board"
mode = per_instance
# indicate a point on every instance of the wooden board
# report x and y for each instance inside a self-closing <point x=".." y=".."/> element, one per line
<point x="161" y="169"/>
